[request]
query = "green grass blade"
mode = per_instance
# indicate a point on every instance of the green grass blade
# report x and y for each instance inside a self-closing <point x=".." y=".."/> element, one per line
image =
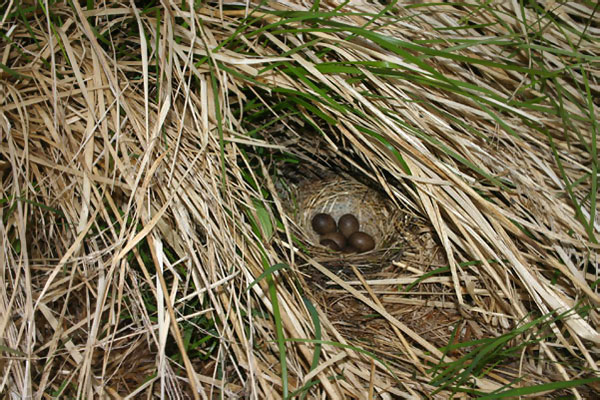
<point x="317" y="324"/>
<point x="544" y="387"/>
<point x="425" y="276"/>
<point x="388" y="146"/>
<point x="268" y="272"/>
<point x="569" y="189"/>
<point x="593" y="148"/>
<point x="280" y="335"/>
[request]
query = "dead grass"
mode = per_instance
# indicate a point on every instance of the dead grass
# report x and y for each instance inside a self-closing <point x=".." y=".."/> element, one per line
<point x="148" y="160"/>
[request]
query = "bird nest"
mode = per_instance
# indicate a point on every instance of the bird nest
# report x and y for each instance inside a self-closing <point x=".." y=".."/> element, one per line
<point x="337" y="196"/>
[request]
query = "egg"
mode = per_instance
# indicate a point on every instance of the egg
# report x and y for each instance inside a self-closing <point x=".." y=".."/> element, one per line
<point x="336" y="237"/>
<point x="348" y="250"/>
<point x="348" y="224"/>
<point x="323" y="223"/>
<point x="361" y="241"/>
<point x="330" y="244"/>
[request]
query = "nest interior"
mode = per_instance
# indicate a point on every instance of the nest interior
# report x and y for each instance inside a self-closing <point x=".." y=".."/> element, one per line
<point x="343" y="195"/>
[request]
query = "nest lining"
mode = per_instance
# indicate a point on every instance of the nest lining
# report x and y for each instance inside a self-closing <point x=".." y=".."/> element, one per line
<point x="339" y="195"/>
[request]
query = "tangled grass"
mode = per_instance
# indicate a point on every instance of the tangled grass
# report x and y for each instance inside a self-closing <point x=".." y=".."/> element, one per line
<point x="147" y="149"/>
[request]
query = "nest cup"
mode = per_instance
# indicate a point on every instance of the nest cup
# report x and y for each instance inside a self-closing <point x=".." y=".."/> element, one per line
<point x="338" y="196"/>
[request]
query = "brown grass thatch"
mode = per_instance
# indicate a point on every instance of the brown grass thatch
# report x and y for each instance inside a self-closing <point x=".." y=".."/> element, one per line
<point x="148" y="249"/>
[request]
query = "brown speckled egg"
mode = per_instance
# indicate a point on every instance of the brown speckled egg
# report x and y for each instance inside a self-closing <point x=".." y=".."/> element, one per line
<point x="337" y="237"/>
<point x="361" y="242"/>
<point x="348" y="224"/>
<point x="323" y="223"/>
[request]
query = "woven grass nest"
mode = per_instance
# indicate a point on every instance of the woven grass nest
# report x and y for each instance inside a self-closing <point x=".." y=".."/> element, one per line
<point x="337" y="195"/>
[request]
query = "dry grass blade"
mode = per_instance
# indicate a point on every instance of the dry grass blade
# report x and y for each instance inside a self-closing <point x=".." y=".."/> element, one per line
<point x="160" y="167"/>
